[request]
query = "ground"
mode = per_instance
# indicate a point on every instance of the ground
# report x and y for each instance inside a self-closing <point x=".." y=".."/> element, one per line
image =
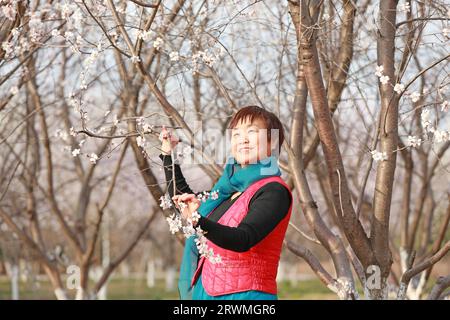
<point x="120" y="288"/>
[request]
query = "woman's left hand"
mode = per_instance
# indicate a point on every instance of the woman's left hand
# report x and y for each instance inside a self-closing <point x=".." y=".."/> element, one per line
<point x="191" y="204"/>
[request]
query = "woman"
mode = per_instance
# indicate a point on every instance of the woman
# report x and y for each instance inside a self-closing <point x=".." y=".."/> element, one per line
<point x="246" y="224"/>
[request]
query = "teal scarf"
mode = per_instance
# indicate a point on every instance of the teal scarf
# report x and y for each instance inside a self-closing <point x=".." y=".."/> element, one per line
<point x="234" y="178"/>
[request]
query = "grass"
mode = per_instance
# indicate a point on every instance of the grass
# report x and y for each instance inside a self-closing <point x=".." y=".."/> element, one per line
<point x="131" y="289"/>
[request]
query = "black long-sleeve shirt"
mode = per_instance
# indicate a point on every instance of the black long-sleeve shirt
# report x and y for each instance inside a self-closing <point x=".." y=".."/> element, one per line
<point x="268" y="206"/>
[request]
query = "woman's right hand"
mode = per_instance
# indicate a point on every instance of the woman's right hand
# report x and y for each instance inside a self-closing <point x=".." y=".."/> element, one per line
<point x="169" y="141"/>
<point x="191" y="204"/>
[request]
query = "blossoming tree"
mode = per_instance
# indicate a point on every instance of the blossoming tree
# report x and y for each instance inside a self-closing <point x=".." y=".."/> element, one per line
<point x="87" y="85"/>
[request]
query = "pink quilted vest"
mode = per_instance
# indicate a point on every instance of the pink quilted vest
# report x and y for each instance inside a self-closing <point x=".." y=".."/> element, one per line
<point x="255" y="269"/>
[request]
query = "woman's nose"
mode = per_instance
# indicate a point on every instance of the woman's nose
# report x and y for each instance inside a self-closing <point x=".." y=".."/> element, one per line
<point x="243" y="139"/>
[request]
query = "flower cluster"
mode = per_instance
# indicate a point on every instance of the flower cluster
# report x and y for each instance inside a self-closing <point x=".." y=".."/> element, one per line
<point x="427" y="125"/>
<point x="379" y="156"/>
<point x="203" y="57"/>
<point x="415" y="96"/>
<point x="145" y="127"/>
<point x="166" y="202"/>
<point x="195" y="216"/>
<point x="176" y="224"/>
<point x="203" y="248"/>
<point x="404" y="7"/>
<point x="414" y="141"/>
<point x="141" y="141"/>
<point x="379" y="73"/>
<point x="158" y="43"/>
<point x="145" y="35"/>
<point x="399" y="88"/>
<point x="214" y="195"/>
<point x="430" y="129"/>
<point x="93" y="158"/>
<point x="174" y="56"/>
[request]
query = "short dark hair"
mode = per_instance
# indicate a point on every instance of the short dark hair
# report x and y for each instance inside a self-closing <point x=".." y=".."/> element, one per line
<point x="254" y="112"/>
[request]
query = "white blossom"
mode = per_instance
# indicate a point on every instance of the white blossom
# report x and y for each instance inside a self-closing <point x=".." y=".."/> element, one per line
<point x="444" y="106"/>
<point x="174" y="223"/>
<point x="158" y="43"/>
<point x="378" y="156"/>
<point x="36" y="27"/>
<point x="91" y="58"/>
<point x="83" y="85"/>
<point x="121" y="10"/>
<point x="69" y="35"/>
<point x="174" y="56"/>
<point x="135" y="59"/>
<point x="140" y="121"/>
<point x="78" y="18"/>
<point x="188" y="230"/>
<point x="415" y="96"/>
<point x="399" y="88"/>
<point x="15" y="32"/>
<point x="166" y="202"/>
<point x="55" y="33"/>
<point x="93" y="158"/>
<point x="66" y="10"/>
<point x="379" y="71"/>
<point x="9" y="11"/>
<point x="216" y="259"/>
<point x="404" y="7"/>
<point x="414" y="141"/>
<point x="140" y="141"/>
<point x="384" y="79"/>
<point x="145" y="35"/>
<point x="147" y="128"/>
<point x="7" y="47"/>
<point x="203" y="196"/>
<point x="203" y="249"/>
<point x="441" y="136"/>
<point x="115" y="120"/>
<point x="59" y="133"/>
<point x="75" y="152"/>
<point x="182" y="205"/>
<point x="195" y="216"/>
<point x="14" y="90"/>
<point x="446" y="32"/>
<point x="202" y="56"/>
<point x="215" y="195"/>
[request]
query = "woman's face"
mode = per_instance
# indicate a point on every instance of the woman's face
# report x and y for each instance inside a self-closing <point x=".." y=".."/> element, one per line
<point x="249" y="141"/>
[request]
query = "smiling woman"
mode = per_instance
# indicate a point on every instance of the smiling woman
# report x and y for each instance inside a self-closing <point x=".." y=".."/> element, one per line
<point x="255" y="134"/>
<point x="246" y="223"/>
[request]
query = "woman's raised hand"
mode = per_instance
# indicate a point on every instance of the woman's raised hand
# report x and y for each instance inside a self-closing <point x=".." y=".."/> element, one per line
<point x="169" y="141"/>
<point x="188" y="204"/>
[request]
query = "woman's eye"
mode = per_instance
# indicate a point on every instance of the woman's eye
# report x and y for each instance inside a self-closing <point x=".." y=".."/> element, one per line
<point x="252" y="131"/>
